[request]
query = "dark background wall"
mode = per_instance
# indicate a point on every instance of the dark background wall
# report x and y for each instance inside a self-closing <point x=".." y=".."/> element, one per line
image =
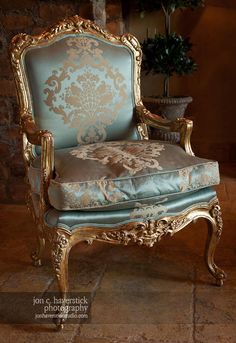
<point x="212" y="30"/>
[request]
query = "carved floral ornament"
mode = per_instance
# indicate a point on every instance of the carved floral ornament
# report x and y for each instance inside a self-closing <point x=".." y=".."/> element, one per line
<point x="59" y="244"/>
<point x="151" y="231"/>
<point x="217" y="215"/>
<point x="146" y="233"/>
<point x="86" y="91"/>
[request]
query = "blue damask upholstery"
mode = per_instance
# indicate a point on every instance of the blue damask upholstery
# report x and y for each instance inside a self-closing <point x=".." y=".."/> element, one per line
<point x="73" y="219"/>
<point x="81" y="88"/>
<point x="122" y="174"/>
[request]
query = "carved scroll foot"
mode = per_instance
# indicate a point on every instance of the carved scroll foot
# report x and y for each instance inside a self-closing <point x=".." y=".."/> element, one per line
<point x="215" y="225"/>
<point x="38" y="253"/>
<point x="60" y="254"/>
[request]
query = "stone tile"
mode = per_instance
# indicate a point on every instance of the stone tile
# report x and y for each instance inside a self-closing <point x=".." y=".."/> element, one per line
<point x="161" y="333"/>
<point x="191" y="239"/>
<point x="188" y="246"/>
<point x="215" y="333"/>
<point x="131" y="253"/>
<point x="7" y="269"/>
<point x="184" y="259"/>
<point x="225" y="257"/>
<point x="228" y="237"/>
<point x="122" y="307"/>
<point x="95" y="340"/>
<point x="37" y="333"/>
<point x="215" y="306"/>
<point x="205" y="281"/>
<point x="30" y="279"/>
<point x="96" y="251"/>
<point x="84" y="276"/>
<point x="161" y="276"/>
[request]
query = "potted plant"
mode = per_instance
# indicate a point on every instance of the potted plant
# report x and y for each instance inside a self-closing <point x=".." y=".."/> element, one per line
<point x="168" y="54"/>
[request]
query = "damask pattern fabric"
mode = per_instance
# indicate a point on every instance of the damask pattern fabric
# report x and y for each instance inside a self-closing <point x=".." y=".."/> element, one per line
<point x="82" y="90"/>
<point x="116" y="175"/>
<point x="133" y="156"/>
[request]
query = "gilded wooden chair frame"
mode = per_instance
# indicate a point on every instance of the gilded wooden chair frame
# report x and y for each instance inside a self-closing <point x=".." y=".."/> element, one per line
<point x="141" y="233"/>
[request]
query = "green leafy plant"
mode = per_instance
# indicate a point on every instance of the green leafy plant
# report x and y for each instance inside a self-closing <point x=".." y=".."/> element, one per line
<point x="168" y="54"/>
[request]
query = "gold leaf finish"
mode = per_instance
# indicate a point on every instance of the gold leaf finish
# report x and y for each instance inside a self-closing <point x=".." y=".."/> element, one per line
<point x="59" y="244"/>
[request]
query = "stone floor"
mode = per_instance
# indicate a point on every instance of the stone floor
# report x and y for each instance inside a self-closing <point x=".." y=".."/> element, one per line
<point x="140" y="295"/>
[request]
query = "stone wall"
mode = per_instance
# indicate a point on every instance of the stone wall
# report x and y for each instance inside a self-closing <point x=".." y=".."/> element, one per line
<point x="32" y="16"/>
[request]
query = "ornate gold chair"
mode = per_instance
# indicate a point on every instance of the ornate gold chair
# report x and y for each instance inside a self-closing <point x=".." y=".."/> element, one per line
<point x="93" y="174"/>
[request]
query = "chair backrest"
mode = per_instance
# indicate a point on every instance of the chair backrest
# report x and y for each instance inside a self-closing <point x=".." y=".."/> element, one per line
<point x="79" y="82"/>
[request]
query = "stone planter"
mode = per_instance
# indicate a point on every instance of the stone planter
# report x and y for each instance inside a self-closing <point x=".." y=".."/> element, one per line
<point x="169" y="108"/>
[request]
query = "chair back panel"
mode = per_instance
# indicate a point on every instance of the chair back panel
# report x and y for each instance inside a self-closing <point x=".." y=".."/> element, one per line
<point x="81" y="89"/>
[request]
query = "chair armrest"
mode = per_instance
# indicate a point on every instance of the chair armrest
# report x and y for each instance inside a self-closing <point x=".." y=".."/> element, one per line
<point x="44" y="139"/>
<point x="47" y="165"/>
<point x="30" y="129"/>
<point x="182" y="125"/>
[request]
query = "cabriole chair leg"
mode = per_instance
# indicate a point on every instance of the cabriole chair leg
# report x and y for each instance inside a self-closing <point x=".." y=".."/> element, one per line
<point x="60" y="256"/>
<point x="40" y="247"/>
<point x="215" y="225"/>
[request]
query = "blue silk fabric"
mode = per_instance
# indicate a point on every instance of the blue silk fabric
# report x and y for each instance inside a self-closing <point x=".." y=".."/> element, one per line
<point x="107" y="219"/>
<point x="119" y="175"/>
<point x="82" y="89"/>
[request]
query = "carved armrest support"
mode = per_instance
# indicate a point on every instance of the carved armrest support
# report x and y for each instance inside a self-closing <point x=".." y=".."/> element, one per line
<point x="47" y="166"/>
<point x="44" y="139"/>
<point x="47" y="169"/>
<point x="182" y="125"/>
<point x="29" y="127"/>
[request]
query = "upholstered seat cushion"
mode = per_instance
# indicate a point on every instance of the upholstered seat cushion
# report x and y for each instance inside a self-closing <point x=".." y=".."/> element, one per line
<point x="73" y="219"/>
<point x="119" y="174"/>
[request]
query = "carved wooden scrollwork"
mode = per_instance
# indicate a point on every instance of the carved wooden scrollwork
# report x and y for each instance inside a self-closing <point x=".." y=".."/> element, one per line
<point x="59" y="243"/>
<point x="146" y="233"/>
<point x="217" y="215"/>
